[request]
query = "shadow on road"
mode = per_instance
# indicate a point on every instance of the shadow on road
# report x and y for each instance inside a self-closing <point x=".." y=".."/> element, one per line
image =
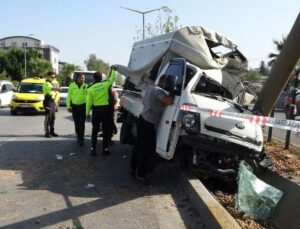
<point x="38" y="169"/>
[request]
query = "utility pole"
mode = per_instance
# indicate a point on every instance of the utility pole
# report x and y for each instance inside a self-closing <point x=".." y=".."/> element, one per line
<point x="143" y="13"/>
<point x="25" y="60"/>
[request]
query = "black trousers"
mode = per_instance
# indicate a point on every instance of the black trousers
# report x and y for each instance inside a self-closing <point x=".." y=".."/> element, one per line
<point x="49" y="117"/>
<point x="78" y="113"/>
<point x="100" y="116"/>
<point x="112" y="128"/>
<point x="145" y="146"/>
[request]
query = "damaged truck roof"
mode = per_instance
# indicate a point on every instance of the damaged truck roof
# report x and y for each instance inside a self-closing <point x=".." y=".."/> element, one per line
<point x="195" y="44"/>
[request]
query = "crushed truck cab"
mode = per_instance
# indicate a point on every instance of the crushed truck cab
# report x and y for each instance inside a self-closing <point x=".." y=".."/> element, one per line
<point x="199" y="77"/>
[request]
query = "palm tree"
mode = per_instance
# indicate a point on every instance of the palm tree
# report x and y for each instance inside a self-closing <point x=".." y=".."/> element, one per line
<point x="279" y="45"/>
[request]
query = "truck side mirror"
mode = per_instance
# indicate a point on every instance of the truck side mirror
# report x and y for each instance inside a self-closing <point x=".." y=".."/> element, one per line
<point x="171" y="84"/>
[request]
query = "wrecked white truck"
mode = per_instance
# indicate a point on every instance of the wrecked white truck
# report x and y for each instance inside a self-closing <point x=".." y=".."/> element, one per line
<point x="204" y="71"/>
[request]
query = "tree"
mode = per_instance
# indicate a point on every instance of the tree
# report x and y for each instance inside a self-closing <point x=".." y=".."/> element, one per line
<point x="263" y="69"/>
<point x="279" y="45"/>
<point x="65" y="76"/>
<point x="252" y="76"/>
<point x="94" y="64"/>
<point x="38" y="67"/>
<point x="163" y="24"/>
<point x="14" y="63"/>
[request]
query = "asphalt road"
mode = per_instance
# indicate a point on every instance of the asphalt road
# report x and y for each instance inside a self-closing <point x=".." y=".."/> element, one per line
<point x="39" y="191"/>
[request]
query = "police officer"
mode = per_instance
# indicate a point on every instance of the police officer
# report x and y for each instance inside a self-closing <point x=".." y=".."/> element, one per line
<point x="76" y="104"/>
<point x="49" y="105"/>
<point x="98" y="101"/>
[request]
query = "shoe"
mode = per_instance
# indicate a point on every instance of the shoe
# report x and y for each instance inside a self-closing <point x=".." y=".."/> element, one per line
<point x="81" y="143"/>
<point x="93" y="151"/>
<point x="142" y="180"/>
<point x="111" y="142"/>
<point x="47" y="135"/>
<point x="106" y="152"/>
<point x="53" y="134"/>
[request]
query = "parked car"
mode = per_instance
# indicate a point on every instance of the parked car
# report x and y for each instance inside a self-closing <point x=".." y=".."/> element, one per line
<point x="6" y="92"/>
<point x="288" y="101"/>
<point x="29" y="96"/>
<point x="63" y="96"/>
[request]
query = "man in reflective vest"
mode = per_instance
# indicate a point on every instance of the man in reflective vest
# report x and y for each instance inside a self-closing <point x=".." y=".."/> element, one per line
<point x="76" y="104"/>
<point x="49" y="105"/>
<point x="98" y="101"/>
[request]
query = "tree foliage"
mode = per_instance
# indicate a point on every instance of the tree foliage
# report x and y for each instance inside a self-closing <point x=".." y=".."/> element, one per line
<point x="252" y="76"/>
<point x="165" y="23"/>
<point x="94" y="64"/>
<point x="65" y="75"/>
<point x="264" y="69"/>
<point x="279" y="45"/>
<point x="12" y="63"/>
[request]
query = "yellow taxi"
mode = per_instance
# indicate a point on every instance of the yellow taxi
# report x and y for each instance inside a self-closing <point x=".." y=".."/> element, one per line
<point x="29" y="96"/>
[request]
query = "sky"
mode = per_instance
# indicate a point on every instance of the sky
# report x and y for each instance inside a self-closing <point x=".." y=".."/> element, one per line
<point x="79" y="28"/>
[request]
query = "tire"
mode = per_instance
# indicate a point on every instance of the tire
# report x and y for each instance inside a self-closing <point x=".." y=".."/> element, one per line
<point x="13" y="112"/>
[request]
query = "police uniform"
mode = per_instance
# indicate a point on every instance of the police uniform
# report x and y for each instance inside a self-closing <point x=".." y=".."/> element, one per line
<point x="76" y="100"/>
<point x="49" y="106"/>
<point x="98" y="101"/>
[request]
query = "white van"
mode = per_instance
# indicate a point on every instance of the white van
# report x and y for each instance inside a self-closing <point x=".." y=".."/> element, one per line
<point x="6" y="92"/>
<point x="88" y="75"/>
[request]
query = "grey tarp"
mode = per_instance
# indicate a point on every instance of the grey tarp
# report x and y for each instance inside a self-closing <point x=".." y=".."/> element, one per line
<point x="191" y="43"/>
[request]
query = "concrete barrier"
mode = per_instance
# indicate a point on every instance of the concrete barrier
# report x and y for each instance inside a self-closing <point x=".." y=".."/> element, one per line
<point x="213" y="213"/>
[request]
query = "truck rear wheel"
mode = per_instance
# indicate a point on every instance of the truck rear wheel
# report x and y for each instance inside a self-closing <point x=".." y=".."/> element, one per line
<point x="127" y="129"/>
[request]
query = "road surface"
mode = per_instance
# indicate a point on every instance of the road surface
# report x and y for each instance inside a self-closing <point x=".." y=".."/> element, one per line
<point x="39" y="191"/>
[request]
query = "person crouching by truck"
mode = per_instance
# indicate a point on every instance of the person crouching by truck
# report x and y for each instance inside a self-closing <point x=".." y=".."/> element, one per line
<point x="98" y="101"/>
<point x="49" y="105"/>
<point x="76" y="103"/>
<point x="155" y="100"/>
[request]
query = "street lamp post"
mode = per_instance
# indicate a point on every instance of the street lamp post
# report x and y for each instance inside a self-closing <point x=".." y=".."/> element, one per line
<point x="143" y="13"/>
<point x="25" y="60"/>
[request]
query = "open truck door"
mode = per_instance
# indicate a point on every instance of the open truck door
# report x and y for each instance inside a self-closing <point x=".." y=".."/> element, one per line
<point x="168" y="129"/>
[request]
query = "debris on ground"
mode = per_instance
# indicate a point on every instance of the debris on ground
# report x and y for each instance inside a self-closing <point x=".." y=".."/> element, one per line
<point x="59" y="157"/>
<point x="89" y="185"/>
<point x="254" y="197"/>
<point x="284" y="162"/>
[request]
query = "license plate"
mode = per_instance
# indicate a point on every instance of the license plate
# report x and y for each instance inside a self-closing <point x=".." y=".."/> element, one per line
<point x="25" y="105"/>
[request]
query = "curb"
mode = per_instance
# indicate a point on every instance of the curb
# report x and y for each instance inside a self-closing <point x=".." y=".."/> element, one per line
<point x="213" y="213"/>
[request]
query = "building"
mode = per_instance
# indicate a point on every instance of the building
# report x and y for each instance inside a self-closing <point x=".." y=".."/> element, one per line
<point x="49" y="52"/>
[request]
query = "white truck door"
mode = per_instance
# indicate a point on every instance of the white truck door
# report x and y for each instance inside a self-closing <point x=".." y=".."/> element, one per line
<point x="168" y="130"/>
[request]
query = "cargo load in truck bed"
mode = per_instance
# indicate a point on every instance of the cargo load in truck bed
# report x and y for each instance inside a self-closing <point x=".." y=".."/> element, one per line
<point x="196" y="44"/>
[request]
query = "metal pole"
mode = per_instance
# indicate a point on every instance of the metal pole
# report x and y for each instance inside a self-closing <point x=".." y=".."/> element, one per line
<point x="270" y="132"/>
<point x="280" y="72"/>
<point x="143" y="26"/>
<point x="143" y="13"/>
<point x="292" y="112"/>
<point x="25" y="60"/>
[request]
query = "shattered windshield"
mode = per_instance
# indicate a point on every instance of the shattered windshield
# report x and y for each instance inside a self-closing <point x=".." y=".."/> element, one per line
<point x="211" y="87"/>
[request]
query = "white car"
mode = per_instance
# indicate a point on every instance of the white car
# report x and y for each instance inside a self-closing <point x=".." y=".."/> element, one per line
<point x="6" y="92"/>
<point x="63" y="96"/>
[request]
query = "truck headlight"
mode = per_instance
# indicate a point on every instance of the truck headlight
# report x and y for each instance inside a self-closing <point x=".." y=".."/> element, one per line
<point x="191" y="122"/>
